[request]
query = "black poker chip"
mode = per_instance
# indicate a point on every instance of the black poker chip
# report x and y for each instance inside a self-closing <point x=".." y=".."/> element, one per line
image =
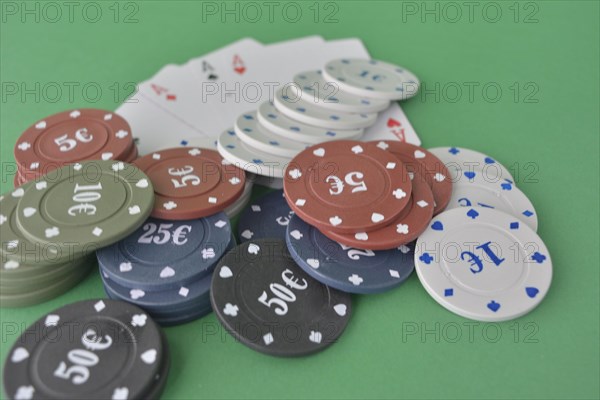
<point x="271" y="305"/>
<point x="92" y="349"/>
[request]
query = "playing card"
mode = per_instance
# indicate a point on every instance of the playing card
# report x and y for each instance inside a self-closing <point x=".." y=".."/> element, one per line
<point x="153" y="127"/>
<point x="392" y="124"/>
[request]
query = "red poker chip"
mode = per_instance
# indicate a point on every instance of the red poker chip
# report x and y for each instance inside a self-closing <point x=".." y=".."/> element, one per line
<point x="347" y="186"/>
<point x="72" y="136"/>
<point x="190" y="182"/>
<point x="411" y="222"/>
<point x="417" y="159"/>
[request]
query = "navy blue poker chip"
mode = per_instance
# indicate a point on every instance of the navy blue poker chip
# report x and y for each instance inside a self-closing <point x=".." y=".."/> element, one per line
<point x="266" y="217"/>
<point x="162" y="255"/>
<point x="345" y="268"/>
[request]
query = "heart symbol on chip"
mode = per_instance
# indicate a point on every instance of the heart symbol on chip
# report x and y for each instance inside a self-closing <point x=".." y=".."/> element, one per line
<point x="136" y="294"/>
<point x="247" y="234"/>
<point x="52" y="232"/>
<point x="40" y="125"/>
<point x="376" y="217"/>
<point x="340" y="309"/>
<point x="142" y="183"/>
<point x="77" y="166"/>
<point x="313" y="262"/>
<point x="439" y="177"/>
<point x="315" y="337"/>
<point x="107" y="156"/>
<point x="29" y="211"/>
<point x="18" y="193"/>
<point x="19" y="355"/>
<point x="470" y="174"/>
<point x="149" y="356"/>
<point x="125" y="266"/>
<point x="419" y="154"/>
<point x="320" y="152"/>
<point x="295" y="173"/>
<point x="361" y="236"/>
<point x="357" y="149"/>
<point x="335" y="220"/>
<point x="253" y="248"/>
<point x="41" y="185"/>
<point x="11" y="264"/>
<point x="121" y="393"/>
<point x="296" y="234"/>
<point x="167" y="272"/>
<point x="531" y="291"/>
<point x="134" y="210"/>
<point x="437" y="226"/>
<point x="225" y="272"/>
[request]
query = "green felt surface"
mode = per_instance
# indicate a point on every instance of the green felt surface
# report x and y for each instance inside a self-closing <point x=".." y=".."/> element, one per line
<point x="544" y="125"/>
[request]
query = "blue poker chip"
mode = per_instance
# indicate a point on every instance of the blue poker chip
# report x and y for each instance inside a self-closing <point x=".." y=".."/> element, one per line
<point x="266" y="217"/>
<point x="345" y="268"/>
<point x="183" y="318"/>
<point x="163" y="254"/>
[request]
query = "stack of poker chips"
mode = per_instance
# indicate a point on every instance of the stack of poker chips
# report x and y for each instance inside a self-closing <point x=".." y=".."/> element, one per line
<point x="316" y="107"/>
<point x="69" y="137"/>
<point x="52" y="225"/>
<point x="166" y="265"/>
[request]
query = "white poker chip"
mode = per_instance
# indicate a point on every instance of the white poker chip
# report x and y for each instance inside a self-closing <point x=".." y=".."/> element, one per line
<point x="372" y="78"/>
<point x="289" y="101"/>
<point x="251" y="131"/>
<point x="328" y="95"/>
<point x="483" y="264"/>
<point x="459" y="160"/>
<point x="473" y="189"/>
<point x="281" y="125"/>
<point x="249" y="158"/>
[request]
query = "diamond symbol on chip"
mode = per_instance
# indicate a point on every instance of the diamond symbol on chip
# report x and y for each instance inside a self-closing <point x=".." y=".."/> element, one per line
<point x="156" y="156"/>
<point x="300" y="202"/>
<point x="99" y="306"/>
<point x="390" y="165"/>
<point x="183" y="291"/>
<point x="120" y="393"/>
<point x="170" y="205"/>
<point x="3" y="219"/>
<point x="399" y="194"/>
<point x="40" y="125"/>
<point x="97" y="231"/>
<point x="220" y="223"/>
<point x="404" y="249"/>
<point x="208" y="253"/>
<point x="24" y="146"/>
<point x="51" y="320"/>
<point x="394" y="273"/>
<point x="194" y="152"/>
<point x="108" y="117"/>
<point x="121" y="134"/>
<point x="231" y="310"/>
<point x="268" y="338"/>
<point x="422" y="203"/>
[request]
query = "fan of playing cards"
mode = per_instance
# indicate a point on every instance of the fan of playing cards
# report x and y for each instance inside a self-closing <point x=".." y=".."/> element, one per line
<point x="262" y="104"/>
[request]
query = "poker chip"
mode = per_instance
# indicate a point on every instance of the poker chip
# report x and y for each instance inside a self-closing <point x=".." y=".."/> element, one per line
<point x="483" y="264"/>
<point x="281" y="125"/>
<point x="345" y="268"/>
<point x="191" y="182"/>
<point x="163" y="254"/>
<point x="372" y="78"/>
<point x="417" y="159"/>
<point x="271" y="305"/>
<point x="249" y="158"/>
<point x="116" y="349"/>
<point x="249" y="130"/>
<point x="295" y="107"/>
<point x="459" y="160"/>
<point x="405" y="228"/>
<point x="237" y="207"/>
<point x="472" y="189"/>
<point x="328" y="95"/>
<point x="72" y="136"/>
<point x="88" y="206"/>
<point x="267" y="217"/>
<point x="347" y="186"/>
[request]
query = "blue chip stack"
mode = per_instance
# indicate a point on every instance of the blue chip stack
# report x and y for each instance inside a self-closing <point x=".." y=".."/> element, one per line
<point x="165" y="267"/>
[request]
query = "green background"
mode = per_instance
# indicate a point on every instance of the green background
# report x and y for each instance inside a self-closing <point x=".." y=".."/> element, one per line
<point x="547" y="131"/>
